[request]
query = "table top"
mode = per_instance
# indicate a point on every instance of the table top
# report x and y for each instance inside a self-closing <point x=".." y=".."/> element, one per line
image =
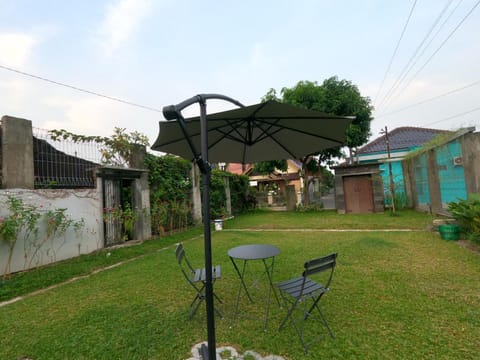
<point x="253" y="252"/>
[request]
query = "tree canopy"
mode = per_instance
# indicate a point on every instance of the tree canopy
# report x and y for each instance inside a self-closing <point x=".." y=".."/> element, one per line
<point x="336" y="97"/>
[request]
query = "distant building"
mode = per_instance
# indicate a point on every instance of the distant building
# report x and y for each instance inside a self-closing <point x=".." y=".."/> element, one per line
<point x="402" y="141"/>
<point x="362" y="183"/>
<point x="274" y="183"/>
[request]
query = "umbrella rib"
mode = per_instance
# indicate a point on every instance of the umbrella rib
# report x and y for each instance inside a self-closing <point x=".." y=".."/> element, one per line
<point x="265" y="132"/>
<point x="284" y="148"/>
<point x="301" y="132"/>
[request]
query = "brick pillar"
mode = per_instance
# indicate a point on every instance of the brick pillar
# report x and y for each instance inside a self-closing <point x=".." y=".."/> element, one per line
<point x="17" y="153"/>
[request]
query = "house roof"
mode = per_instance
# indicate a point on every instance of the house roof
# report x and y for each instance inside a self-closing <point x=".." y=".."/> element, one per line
<point x="239" y="169"/>
<point x="401" y="138"/>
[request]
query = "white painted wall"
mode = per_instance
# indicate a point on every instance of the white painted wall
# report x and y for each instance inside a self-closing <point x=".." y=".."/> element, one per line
<point x="81" y="204"/>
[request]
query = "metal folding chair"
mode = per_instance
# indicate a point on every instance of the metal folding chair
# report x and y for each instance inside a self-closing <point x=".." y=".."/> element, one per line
<point x="305" y="293"/>
<point x="197" y="279"/>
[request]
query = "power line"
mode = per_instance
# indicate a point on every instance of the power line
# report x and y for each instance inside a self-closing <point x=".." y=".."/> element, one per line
<point x="439" y="47"/>
<point x="395" y="51"/>
<point x="411" y="63"/>
<point x="429" y="99"/>
<point x="454" y="116"/>
<point x="80" y="89"/>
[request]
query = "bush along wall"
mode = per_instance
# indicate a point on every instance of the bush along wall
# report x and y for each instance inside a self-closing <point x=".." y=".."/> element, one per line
<point x="240" y="197"/>
<point x="170" y="193"/>
<point x="467" y="214"/>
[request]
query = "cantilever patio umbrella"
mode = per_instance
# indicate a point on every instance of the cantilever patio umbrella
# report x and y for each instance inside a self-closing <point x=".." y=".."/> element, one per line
<point x="248" y="134"/>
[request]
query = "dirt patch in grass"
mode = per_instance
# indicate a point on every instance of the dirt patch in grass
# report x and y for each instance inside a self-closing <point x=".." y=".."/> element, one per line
<point x="469" y="245"/>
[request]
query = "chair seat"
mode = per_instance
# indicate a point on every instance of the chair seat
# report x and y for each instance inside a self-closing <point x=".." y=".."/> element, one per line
<point x="298" y="289"/>
<point x="201" y="274"/>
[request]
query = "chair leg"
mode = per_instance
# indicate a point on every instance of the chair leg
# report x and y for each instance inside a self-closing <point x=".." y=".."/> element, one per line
<point x="325" y="322"/>
<point x="216" y="297"/>
<point x="300" y="321"/>
<point x="292" y="307"/>
<point x="195" y="305"/>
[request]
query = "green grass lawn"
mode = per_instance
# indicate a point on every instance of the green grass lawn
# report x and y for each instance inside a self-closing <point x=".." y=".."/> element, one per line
<point x="395" y="295"/>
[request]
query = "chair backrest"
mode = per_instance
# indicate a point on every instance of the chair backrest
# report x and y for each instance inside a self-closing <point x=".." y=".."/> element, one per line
<point x="324" y="263"/>
<point x="183" y="260"/>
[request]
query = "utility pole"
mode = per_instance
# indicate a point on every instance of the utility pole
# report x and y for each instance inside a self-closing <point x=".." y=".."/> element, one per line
<point x="392" y="185"/>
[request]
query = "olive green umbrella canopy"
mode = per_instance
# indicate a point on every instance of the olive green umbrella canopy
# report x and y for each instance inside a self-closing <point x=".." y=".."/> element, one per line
<point x="265" y="131"/>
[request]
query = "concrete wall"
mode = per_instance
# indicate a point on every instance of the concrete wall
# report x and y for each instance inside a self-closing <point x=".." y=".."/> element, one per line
<point x="17" y="153"/>
<point x="80" y="204"/>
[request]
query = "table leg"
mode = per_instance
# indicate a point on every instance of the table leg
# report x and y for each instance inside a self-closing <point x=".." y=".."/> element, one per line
<point x="241" y="275"/>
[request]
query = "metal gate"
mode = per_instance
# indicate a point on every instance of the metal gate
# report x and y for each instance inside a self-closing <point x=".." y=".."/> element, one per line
<point x="112" y="211"/>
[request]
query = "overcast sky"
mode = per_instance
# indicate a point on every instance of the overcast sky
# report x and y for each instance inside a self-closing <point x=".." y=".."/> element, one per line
<point x="160" y="52"/>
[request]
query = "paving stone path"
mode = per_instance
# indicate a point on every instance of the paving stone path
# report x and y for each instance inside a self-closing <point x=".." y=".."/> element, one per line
<point x="230" y="353"/>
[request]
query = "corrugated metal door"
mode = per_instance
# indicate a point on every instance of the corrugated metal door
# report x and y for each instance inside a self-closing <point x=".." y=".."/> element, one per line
<point x="112" y="208"/>
<point x="358" y="192"/>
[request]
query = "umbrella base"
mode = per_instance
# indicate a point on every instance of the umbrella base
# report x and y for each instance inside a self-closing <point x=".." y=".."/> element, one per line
<point x="204" y="352"/>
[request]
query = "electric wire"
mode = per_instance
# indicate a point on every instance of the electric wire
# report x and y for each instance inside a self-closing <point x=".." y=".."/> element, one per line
<point x="439" y="47"/>
<point x="454" y="116"/>
<point x="429" y="99"/>
<point x="80" y="89"/>
<point x="395" y="51"/>
<point x="411" y="63"/>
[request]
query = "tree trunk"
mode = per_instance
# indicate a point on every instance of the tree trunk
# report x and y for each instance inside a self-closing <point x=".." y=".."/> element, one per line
<point x="306" y="194"/>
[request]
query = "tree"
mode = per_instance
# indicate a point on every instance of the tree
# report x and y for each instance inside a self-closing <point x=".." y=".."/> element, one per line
<point x="336" y="97"/>
<point x="267" y="167"/>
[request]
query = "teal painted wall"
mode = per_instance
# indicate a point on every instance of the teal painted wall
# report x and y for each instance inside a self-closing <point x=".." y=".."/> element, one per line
<point x="399" y="185"/>
<point x="421" y="180"/>
<point x="451" y="175"/>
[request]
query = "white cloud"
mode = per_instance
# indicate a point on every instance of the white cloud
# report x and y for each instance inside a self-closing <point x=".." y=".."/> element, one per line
<point x="88" y="115"/>
<point x="15" y="49"/>
<point x="120" y="22"/>
<point x="82" y="115"/>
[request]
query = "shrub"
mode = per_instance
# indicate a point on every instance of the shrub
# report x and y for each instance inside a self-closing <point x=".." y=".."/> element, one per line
<point x="170" y="191"/>
<point x="467" y="213"/>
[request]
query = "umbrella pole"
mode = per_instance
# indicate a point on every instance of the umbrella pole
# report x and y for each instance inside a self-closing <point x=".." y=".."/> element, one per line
<point x="174" y="112"/>
<point x="207" y="233"/>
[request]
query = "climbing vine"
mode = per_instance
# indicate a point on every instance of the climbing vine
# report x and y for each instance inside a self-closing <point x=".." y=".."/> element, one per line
<point x="24" y="221"/>
<point x="117" y="150"/>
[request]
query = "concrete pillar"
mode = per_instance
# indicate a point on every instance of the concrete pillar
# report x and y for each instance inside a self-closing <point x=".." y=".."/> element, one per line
<point x="141" y="196"/>
<point x="291" y="197"/>
<point x="17" y="153"/>
<point x="141" y="204"/>
<point x="409" y="181"/>
<point x="196" y="194"/>
<point x="228" y="196"/>
<point x="471" y="161"/>
<point x="434" y="183"/>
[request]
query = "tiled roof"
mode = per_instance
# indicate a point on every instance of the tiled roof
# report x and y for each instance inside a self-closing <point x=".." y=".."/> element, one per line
<point x="402" y="138"/>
